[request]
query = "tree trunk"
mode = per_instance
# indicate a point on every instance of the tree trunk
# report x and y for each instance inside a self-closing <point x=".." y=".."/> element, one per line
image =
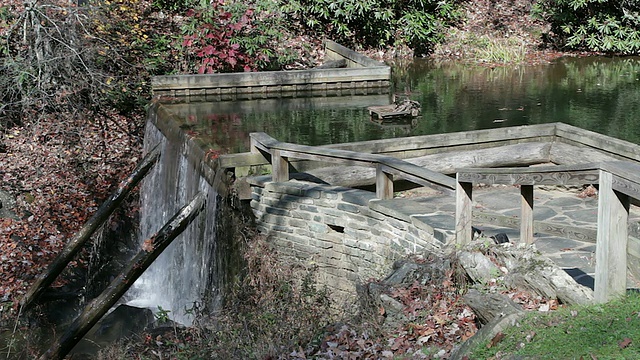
<point x="101" y="215"/>
<point x="151" y="249"/>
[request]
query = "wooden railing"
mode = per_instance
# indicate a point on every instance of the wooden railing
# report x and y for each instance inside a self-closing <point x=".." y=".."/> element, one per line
<point x="387" y="167"/>
<point x="618" y="181"/>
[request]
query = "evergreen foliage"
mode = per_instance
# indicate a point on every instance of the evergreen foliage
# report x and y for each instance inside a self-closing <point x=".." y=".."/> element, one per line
<point x="376" y="23"/>
<point x="610" y="26"/>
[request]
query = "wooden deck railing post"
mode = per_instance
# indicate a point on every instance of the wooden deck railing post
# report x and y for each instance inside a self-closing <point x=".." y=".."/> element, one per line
<point x="611" y="242"/>
<point x="280" y="166"/>
<point x="526" y="214"/>
<point x="463" y="211"/>
<point x="384" y="183"/>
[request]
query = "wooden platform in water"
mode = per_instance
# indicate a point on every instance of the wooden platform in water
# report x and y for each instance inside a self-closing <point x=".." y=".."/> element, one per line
<point x="394" y="112"/>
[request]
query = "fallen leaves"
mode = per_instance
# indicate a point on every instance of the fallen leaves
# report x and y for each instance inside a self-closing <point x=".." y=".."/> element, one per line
<point x="624" y="343"/>
<point x="59" y="173"/>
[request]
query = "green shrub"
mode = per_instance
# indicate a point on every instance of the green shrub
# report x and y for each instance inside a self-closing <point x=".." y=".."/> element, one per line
<point x="376" y="23"/>
<point x="610" y="26"/>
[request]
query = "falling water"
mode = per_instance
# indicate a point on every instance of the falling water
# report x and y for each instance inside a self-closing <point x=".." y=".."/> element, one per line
<point x="177" y="280"/>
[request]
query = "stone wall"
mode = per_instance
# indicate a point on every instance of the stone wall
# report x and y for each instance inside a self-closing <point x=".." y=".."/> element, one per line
<point x="347" y="233"/>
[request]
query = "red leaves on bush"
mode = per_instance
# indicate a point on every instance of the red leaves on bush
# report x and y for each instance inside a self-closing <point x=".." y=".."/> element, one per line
<point x="212" y="39"/>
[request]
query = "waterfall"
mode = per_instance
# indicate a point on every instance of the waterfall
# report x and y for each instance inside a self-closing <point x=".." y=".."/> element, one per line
<point x="178" y="280"/>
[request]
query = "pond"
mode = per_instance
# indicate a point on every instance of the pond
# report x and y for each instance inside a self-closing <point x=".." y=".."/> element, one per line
<point x="596" y="93"/>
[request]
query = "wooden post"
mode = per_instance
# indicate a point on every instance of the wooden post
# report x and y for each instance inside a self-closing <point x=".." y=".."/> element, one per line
<point x="100" y="216"/>
<point x="384" y="183"/>
<point x="611" y="242"/>
<point x="253" y="147"/>
<point x="464" y="199"/>
<point x="526" y="214"/>
<point x="99" y="306"/>
<point x="279" y="166"/>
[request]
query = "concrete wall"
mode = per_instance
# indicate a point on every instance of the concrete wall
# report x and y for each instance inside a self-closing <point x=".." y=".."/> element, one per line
<point x="348" y="234"/>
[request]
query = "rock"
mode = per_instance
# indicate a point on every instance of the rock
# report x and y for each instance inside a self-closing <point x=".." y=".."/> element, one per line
<point x="490" y="306"/>
<point x="7" y="203"/>
<point x="523" y="268"/>
<point x="487" y="332"/>
<point x="479" y="267"/>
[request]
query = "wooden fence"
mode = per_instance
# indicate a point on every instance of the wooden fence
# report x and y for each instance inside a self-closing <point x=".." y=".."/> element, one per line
<point x="618" y="180"/>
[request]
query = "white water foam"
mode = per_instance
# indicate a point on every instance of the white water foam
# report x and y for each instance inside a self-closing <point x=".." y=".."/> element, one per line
<point x="178" y="279"/>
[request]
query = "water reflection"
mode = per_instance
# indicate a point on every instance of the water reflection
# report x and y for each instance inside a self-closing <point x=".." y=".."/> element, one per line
<point x="596" y="93"/>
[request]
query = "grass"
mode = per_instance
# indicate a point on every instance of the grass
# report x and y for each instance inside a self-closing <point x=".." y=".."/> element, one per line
<point x="603" y="331"/>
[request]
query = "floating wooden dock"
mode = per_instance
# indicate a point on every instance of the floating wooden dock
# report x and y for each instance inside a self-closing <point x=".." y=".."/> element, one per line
<point x="390" y="113"/>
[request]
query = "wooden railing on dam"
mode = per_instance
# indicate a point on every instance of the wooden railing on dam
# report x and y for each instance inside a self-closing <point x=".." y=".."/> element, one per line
<point x="618" y="182"/>
<point x="618" y="179"/>
<point x="361" y="75"/>
<point x="386" y="166"/>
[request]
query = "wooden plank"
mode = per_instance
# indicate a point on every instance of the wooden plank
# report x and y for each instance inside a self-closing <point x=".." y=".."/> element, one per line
<point x="526" y="214"/>
<point x="450" y="139"/>
<point x="541" y="227"/>
<point x="349" y="54"/>
<point x="545" y="178"/>
<point x="599" y="141"/>
<point x="417" y="174"/>
<point x="256" y="80"/>
<point x="565" y="153"/>
<point x="384" y="184"/>
<point x="611" y="243"/>
<point x="227" y="161"/>
<point x="280" y="166"/>
<point x="263" y="141"/>
<point x="464" y="199"/>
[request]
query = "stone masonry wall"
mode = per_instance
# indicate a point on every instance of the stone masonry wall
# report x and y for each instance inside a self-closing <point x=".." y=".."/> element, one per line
<point x="343" y="231"/>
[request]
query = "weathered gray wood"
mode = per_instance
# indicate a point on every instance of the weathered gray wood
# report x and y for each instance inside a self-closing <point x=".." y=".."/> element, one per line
<point x="256" y="81"/>
<point x="526" y="214"/>
<point x="599" y="141"/>
<point x="280" y="166"/>
<point x="542" y="227"/>
<point x="464" y="202"/>
<point x="97" y="219"/>
<point x="228" y="161"/>
<point x="563" y="153"/>
<point x="538" y="175"/>
<point x="333" y="64"/>
<point x="335" y="51"/>
<point x="438" y="141"/>
<point x="626" y="177"/>
<point x="145" y="257"/>
<point x="446" y="162"/>
<point x="384" y="183"/>
<point x="395" y="166"/>
<point x="611" y="243"/>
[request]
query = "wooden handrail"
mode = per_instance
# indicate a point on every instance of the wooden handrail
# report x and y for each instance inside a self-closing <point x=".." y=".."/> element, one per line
<point x="386" y="166"/>
<point x="618" y="182"/>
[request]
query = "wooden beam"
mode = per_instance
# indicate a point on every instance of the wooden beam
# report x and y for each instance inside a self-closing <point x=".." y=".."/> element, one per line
<point x="280" y="167"/>
<point x="76" y="243"/>
<point x="526" y="214"/>
<point x="99" y="306"/>
<point x="611" y="242"/>
<point x="384" y="183"/>
<point x="464" y="199"/>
